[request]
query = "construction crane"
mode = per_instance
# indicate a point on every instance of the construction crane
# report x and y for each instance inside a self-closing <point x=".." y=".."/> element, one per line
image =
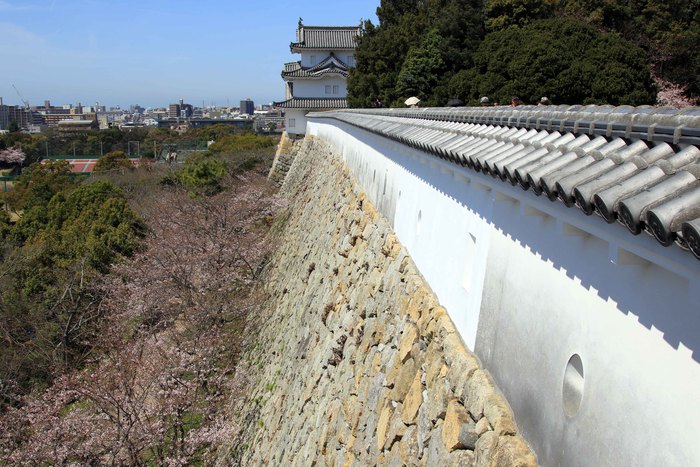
<point x="26" y="103"/>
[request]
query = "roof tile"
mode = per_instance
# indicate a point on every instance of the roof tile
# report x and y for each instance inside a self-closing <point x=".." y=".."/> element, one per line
<point x="640" y="166"/>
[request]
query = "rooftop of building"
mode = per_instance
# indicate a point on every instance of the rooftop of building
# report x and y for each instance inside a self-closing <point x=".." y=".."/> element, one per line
<point x="325" y="37"/>
<point x="313" y="103"/>
<point x="330" y="65"/>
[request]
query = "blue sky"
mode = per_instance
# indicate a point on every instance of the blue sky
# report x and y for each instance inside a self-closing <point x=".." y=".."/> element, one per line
<point x="153" y="52"/>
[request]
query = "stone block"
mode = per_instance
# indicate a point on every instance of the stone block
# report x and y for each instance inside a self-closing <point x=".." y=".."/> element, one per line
<point x="459" y="374"/>
<point x="435" y="367"/>
<point x="436" y="402"/>
<point x="437" y="454"/>
<point x="409" y="448"/>
<point x="482" y="426"/>
<point x="460" y="458"/>
<point x="408" y="338"/>
<point x="479" y="389"/>
<point x="499" y="414"/>
<point x="396" y="428"/>
<point x="458" y="424"/>
<point x="383" y="425"/>
<point x="512" y="451"/>
<point x="413" y="401"/>
<point x="404" y="380"/>
<point x="485" y="447"/>
<point x="424" y="425"/>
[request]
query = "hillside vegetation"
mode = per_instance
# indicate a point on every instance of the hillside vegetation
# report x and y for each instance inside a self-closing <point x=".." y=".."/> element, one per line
<point x="123" y="300"/>
<point x="572" y="51"/>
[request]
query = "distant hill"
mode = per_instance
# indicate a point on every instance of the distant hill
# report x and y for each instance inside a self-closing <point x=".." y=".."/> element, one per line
<point x="572" y="51"/>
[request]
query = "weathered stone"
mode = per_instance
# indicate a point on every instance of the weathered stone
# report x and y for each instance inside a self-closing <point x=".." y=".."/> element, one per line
<point x="424" y="425"/>
<point x="403" y="381"/>
<point x="349" y="459"/>
<point x="468" y="436"/>
<point x="409" y="448"/>
<point x="499" y="414"/>
<point x="512" y="450"/>
<point x="383" y="425"/>
<point x="484" y="449"/>
<point x="434" y="369"/>
<point x="394" y="457"/>
<point x="436" y="402"/>
<point x="396" y="429"/>
<point x="461" y="458"/>
<point x="479" y="389"/>
<point x="402" y="360"/>
<point x="455" y="418"/>
<point x="408" y="338"/>
<point x="482" y="426"/>
<point x="413" y="401"/>
<point x="437" y="453"/>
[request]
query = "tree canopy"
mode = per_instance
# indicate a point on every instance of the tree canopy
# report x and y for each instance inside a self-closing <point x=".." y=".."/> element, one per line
<point x="114" y="160"/>
<point x="566" y="60"/>
<point x="573" y="51"/>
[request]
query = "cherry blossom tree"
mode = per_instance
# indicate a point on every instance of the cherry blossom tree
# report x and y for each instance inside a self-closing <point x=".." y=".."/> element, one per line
<point x="166" y="362"/>
<point x="12" y="156"/>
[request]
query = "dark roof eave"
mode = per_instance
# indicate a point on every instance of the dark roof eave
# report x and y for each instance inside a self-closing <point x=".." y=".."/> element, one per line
<point x="298" y="48"/>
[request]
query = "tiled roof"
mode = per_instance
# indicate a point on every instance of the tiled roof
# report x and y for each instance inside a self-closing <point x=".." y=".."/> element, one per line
<point x="313" y="103"/>
<point x="637" y="166"/>
<point x="326" y="37"/>
<point x="329" y="65"/>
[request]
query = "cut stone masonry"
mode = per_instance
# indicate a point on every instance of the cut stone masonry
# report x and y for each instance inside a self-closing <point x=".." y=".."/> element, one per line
<point x="356" y="362"/>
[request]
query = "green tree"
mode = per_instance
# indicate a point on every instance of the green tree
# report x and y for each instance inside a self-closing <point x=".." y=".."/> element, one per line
<point x="115" y="160"/>
<point x="501" y="14"/>
<point x="203" y="176"/>
<point x="37" y="184"/>
<point x="422" y="68"/>
<point x="566" y="60"/>
<point x="13" y="127"/>
<point x="403" y="36"/>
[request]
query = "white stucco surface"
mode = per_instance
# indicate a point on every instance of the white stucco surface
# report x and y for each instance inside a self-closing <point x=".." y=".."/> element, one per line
<point x="317" y="87"/>
<point x="299" y="117"/>
<point x="529" y="283"/>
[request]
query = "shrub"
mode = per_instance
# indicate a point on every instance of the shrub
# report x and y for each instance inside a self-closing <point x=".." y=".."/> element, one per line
<point x="113" y="161"/>
<point x="203" y="176"/>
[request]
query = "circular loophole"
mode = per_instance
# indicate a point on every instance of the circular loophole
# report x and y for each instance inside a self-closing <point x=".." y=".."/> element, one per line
<point x="572" y="391"/>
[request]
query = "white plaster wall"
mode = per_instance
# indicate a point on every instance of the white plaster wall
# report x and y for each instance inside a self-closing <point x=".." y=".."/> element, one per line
<point x="299" y="124"/>
<point x="529" y="283"/>
<point x="316" y="87"/>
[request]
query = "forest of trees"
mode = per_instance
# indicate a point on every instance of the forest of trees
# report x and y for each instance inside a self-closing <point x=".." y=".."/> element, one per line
<point x="123" y="299"/>
<point x="572" y="51"/>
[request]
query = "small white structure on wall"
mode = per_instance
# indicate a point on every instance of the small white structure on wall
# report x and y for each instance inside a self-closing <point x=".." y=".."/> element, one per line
<point x="319" y="80"/>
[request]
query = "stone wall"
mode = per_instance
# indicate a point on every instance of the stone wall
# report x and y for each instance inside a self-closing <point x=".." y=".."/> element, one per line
<point x="286" y="151"/>
<point x="355" y="362"/>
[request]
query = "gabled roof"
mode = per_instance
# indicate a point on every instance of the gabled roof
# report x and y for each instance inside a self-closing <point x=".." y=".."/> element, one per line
<point x="329" y="61"/>
<point x="637" y="166"/>
<point x="329" y="65"/>
<point x="313" y="103"/>
<point x="325" y="37"/>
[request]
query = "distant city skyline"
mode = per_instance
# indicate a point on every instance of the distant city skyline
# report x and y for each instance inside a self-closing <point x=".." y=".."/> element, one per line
<point x="126" y="52"/>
